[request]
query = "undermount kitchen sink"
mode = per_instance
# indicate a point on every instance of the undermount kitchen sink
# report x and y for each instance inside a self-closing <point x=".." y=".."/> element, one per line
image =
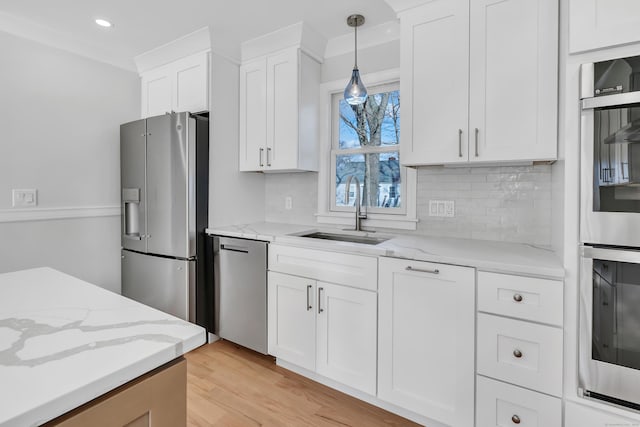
<point x="367" y="240"/>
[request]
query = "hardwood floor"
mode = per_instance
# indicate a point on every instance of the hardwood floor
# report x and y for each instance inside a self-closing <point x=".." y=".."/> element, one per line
<point x="228" y="385"/>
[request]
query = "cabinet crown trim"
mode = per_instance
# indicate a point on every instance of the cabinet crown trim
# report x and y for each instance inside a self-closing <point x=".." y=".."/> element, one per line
<point x="297" y="35"/>
<point x="196" y="42"/>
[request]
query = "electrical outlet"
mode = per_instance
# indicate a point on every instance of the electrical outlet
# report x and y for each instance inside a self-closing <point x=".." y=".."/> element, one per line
<point x="433" y="208"/>
<point x="449" y="208"/>
<point x="288" y="203"/>
<point x="24" y="198"/>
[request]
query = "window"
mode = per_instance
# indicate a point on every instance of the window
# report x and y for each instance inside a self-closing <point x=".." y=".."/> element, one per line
<point x="365" y="145"/>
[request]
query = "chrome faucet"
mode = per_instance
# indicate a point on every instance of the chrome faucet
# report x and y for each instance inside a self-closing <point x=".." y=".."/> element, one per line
<point x="358" y="202"/>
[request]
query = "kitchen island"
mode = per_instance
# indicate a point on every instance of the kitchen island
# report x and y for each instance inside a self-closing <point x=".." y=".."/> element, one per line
<point x="65" y="342"/>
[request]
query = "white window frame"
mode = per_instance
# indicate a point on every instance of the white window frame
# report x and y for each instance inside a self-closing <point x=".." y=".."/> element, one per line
<point x="404" y="218"/>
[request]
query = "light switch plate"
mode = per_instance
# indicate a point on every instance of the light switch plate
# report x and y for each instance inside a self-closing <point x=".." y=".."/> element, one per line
<point x="433" y="208"/>
<point x="449" y="208"/>
<point x="27" y="198"/>
<point x="288" y="202"/>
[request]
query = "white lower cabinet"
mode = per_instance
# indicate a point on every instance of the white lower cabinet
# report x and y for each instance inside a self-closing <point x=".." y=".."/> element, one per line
<point x="324" y="327"/>
<point x="292" y="319"/>
<point x="501" y="404"/>
<point x="346" y="335"/>
<point x="426" y="338"/>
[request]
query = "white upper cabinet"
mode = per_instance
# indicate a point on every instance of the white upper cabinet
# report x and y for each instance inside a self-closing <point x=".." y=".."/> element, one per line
<point x="481" y="80"/>
<point x="279" y="103"/>
<point x="181" y="85"/>
<point x="434" y="83"/>
<point x="596" y="24"/>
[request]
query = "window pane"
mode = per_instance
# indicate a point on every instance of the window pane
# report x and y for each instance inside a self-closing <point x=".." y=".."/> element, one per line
<point x="383" y="178"/>
<point x="375" y="123"/>
<point x="347" y="165"/>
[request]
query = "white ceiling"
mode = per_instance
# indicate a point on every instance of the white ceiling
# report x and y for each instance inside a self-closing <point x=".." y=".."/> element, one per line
<point x="141" y="25"/>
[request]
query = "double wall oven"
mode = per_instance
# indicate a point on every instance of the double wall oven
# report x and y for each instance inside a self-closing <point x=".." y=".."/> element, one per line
<point x="609" y="357"/>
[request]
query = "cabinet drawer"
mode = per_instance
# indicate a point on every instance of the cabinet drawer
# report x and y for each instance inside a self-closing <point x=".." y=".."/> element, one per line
<point x="526" y="298"/>
<point x="519" y="352"/>
<point x="500" y="404"/>
<point x="334" y="267"/>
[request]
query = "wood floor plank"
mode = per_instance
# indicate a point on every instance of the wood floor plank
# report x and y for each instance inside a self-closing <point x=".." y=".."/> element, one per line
<point x="231" y="386"/>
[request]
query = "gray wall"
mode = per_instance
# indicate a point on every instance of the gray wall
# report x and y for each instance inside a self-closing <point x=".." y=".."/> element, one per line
<point x="234" y="197"/>
<point x="60" y="134"/>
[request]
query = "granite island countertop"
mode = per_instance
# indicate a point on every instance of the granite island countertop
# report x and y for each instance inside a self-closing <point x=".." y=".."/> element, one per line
<point x="64" y="342"/>
<point x="486" y="255"/>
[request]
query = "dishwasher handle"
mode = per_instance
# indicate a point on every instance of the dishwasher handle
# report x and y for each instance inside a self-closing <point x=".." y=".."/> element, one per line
<point x="226" y="247"/>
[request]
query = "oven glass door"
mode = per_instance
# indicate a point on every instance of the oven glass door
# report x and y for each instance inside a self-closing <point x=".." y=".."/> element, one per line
<point x="610" y="323"/>
<point x="610" y="171"/>
<point x="616" y="159"/>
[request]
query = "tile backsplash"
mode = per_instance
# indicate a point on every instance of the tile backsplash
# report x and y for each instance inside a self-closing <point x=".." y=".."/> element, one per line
<point x="507" y="203"/>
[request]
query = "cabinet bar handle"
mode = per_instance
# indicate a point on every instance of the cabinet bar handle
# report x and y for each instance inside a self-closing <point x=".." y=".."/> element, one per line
<point x="477" y="132"/>
<point x="459" y="142"/>
<point x="320" y="309"/>
<point x="261" y="152"/>
<point x="517" y="298"/>
<point x="517" y="353"/>
<point x="309" y="297"/>
<point x="268" y="156"/>
<point x="515" y="419"/>
<point x="422" y="270"/>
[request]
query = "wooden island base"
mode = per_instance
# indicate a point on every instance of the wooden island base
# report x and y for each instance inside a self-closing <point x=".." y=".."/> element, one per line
<point x="156" y="399"/>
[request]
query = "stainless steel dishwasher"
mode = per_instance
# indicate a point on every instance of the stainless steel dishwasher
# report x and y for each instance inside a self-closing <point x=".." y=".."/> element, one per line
<point x="240" y="268"/>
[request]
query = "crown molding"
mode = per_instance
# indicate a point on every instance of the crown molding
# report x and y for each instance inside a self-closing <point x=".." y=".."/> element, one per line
<point x="367" y="37"/>
<point x="48" y="36"/>
<point x="296" y="35"/>
<point x="189" y="44"/>
<point x="399" y="6"/>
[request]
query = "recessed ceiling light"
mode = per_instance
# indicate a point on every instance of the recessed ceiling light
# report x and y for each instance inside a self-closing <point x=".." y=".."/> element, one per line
<point x="103" y="23"/>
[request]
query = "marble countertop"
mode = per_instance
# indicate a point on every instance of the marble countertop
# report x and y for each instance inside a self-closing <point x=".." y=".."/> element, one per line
<point x="502" y="257"/>
<point x="64" y="342"/>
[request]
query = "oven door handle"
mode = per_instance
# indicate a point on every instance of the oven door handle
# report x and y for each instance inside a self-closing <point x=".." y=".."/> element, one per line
<point x="619" y="255"/>
<point x="618" y="99"/>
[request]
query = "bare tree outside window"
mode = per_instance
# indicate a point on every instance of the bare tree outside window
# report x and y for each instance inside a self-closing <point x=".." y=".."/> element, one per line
<point x="367" y="148"/>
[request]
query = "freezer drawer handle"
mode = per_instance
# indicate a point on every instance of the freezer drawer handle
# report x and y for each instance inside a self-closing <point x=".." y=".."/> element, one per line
<point x="234" y="249"/>
<point x="132" y="237"/>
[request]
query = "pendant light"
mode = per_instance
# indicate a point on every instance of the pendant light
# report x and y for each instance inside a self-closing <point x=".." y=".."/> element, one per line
<point x="355" y="93"/>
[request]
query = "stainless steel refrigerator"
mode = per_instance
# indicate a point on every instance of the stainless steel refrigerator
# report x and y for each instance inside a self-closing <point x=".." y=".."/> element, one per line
<point x="164" y="177"/>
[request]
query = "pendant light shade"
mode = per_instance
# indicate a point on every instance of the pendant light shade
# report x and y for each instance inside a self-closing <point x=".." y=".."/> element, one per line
<point x="355" y="93"/>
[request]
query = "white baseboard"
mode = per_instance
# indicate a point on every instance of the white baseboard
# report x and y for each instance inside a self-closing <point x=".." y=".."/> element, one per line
<point x="46" y="214"/>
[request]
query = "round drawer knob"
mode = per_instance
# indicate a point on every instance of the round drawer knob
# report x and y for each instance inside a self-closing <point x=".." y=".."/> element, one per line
<point x="515" y="419"/>
<point x="517" y="298"/>
<point x="517" y="353"/>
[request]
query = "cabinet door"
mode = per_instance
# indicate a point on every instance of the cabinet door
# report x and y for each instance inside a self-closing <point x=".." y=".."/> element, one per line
<point x="426" y="339"/>
<point x="513" y="80"/>
<point x="253" y="115"/>
<point x="434" y="83"/>
<point x="346" y="331"/>
<point x="282" y="110"/>
<point x="156" y="92"/>
<point x="594" y="24"/>
<point x="292" y="319"/>
<point x="191" y="89"/>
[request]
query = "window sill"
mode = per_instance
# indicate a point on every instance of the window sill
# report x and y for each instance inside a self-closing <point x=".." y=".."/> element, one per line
<point x="398" y="222"/>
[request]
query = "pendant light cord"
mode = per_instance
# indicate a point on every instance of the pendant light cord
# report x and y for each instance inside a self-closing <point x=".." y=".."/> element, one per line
<point x="356" y="47"/>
